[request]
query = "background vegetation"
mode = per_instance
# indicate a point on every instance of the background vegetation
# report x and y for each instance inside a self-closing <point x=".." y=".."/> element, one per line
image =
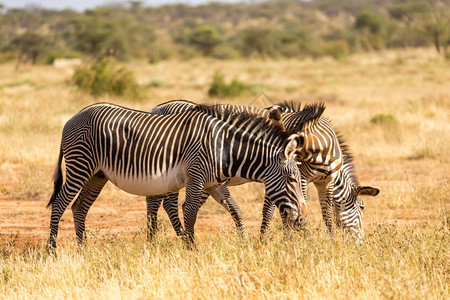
<point x="281" y="28"/>
<point x="391" y="106"/>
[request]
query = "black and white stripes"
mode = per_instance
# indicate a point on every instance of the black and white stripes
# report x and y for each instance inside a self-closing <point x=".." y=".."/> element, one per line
<point x="153" y="155"/>
<point x="326" y="162"/>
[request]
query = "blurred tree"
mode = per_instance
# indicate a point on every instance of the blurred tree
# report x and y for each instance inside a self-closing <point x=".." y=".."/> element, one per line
<point x="371" y="27"/>
<point x="258" y="40"/>
<point x="101" y="34"/>
<point x="206" y="38"/>
<point x="99" y="37"/>
<point x="369" y="21"/>
<point x="437" y="26"/>
<point x="29" y="47"/>
<point x="407" y="12"/>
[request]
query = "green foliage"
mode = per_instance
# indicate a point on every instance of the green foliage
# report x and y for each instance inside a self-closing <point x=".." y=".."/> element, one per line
<point x="222" y="90"/>
<point x="284" y="28"/>
<point x="6" y="57"/>
<point x="225" y="52"/>
<point x="205" y="38"/>
<point x="106" y="77"/>
<point x="369" y="21"/>
<point x="259" y="41"/>
<point x="407" y="11"/>
<point x="100" y="34"/>
<point x="159" y="53"/>
<point x="337" y="49"/>
<point x="384" y="119"/>
<point x="30" y="46"/>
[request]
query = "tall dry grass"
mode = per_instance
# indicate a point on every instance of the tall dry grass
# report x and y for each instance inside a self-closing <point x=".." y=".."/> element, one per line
<point x="405" y="254"/>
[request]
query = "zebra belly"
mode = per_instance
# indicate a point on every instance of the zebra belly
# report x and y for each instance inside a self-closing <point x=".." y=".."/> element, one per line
<point x="150" y="184"/>
<point x="238" y="181"/>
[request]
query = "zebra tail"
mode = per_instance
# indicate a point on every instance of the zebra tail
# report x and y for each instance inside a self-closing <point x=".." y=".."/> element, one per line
<point x="57" y="179"/>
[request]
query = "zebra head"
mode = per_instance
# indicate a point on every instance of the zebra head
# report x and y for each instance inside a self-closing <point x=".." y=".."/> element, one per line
<point x="283" y="184"/>
<point x="319" y="143"/>
<point x="348" y="209"/>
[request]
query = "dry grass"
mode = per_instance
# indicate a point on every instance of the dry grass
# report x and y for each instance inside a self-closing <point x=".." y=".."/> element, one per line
<point x="405" y="254"/>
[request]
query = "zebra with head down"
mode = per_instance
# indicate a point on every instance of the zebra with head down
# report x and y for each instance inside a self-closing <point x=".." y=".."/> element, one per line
<point x="328" y="164"/>
<point x="147" y="154"/>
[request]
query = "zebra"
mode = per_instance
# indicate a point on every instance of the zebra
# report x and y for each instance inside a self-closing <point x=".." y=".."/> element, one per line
<point x="147" y="154"/>
<point x="331" y="170"/>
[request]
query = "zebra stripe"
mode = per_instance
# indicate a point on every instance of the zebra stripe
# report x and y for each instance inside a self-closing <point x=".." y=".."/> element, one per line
<point x="147" y="154"/>
<point x="325" y="151"/>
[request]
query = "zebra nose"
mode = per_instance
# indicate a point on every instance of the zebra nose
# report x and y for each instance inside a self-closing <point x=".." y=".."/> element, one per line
<point x="293" y="215"/>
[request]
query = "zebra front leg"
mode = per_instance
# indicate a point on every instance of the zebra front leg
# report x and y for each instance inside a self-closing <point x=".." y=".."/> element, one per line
<point x="190" y="209"/>
<point x="325" y="190"/>
<point x="222" y="195"/>
<point x="268" y="210"/>
<point x="81" y="206"/>
<point x="170" y="205"/>
<point x="153" y="204"/>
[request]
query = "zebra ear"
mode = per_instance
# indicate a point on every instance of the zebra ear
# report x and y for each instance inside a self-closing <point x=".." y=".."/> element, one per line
<point x="294" y="141"/>
<point x="368" y="190"/>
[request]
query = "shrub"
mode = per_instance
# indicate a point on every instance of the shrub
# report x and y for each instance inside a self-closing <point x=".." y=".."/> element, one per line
<point x="105" y="77"/>
<point x="158" y="54"/>
<point x="222" y="90"/>
<point x="206" y="38"/>
<point x="337" y="49"/>
<point x="225" y="52"/>
<point x="383" y="119"/>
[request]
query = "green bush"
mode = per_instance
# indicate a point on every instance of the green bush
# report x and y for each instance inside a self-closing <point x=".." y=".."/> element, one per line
<point x="383" y="119"/>
<point x="337" y="49"/>
<point x="106" y="77"/>
<point x="222" y="90"/>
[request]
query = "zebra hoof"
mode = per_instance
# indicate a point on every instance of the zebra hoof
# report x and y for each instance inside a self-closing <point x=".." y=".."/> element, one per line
<point x="50" y="249"/>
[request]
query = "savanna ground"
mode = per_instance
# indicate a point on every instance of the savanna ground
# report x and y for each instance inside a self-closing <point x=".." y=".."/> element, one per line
<point x="405" y="253"/>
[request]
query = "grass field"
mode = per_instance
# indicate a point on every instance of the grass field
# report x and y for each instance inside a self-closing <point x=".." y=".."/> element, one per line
<point x="405" y="153"/>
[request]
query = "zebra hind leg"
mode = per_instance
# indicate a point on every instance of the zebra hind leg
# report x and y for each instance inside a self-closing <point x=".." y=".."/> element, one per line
<point x="68" y="191"/>
<point x="81" y="206"/>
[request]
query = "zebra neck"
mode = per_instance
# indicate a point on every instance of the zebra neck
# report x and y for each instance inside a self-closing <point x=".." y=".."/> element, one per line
<point x="247" y="156"/>
<point x="343" y="186"/>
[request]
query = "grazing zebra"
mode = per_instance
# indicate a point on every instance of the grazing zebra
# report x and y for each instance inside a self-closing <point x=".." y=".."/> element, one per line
<point x="338" y="186"/>
<point x="321" y="151"/>
<point x="146" y="154"/>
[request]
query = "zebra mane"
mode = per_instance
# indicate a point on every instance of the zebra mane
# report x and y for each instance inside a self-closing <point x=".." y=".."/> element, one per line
<point x="259" y="125"/>
<point x="347" y="162"/>
<point x="176" y="100"/>
<point x="305" y="117"/>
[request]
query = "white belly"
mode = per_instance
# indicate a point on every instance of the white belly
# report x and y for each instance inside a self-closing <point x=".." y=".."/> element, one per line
<point x="150" y="185"/>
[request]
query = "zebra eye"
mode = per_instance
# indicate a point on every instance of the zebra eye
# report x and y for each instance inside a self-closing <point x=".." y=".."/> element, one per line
<point x="361" y="204"/>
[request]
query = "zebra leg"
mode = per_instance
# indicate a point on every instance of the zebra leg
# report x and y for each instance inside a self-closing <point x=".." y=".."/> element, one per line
<point x="81" y="206"/>
<point x="153" y="204"/>
<point x="268" y="210"/>
<point x="170" y="205"/>
<point x="191" y="206"/>
<point x="302" y="222"/>
<point x="222" y="195"/>
<point x="76" y="178"/>
<point x="325" y="190"/>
